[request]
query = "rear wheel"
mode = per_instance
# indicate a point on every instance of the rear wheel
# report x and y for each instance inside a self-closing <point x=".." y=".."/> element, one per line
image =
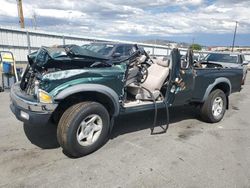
<point x="214" y="108"/>
<point x="244" y="79"/>
<point x="83" y="128"/>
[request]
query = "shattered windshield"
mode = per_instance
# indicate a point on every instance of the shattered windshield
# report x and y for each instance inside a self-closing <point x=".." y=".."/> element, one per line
<point x="103" y="49"/>
<point x="82" y="52"/>
<point x="225" y="58"/>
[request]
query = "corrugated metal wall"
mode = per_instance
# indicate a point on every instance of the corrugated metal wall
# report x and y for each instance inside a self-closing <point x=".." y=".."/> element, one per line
<point x="21" y="42"/>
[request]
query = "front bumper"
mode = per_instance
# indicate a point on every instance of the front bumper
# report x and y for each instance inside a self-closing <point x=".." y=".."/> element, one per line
<point x="29" y="110"/>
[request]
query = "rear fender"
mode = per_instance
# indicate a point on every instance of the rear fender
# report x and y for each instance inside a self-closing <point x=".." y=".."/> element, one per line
<point x="217" y="82"/>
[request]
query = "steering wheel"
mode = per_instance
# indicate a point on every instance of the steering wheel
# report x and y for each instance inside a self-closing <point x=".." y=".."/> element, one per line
<point x="143" y="73"/>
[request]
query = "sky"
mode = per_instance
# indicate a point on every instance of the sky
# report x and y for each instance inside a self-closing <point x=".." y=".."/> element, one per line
<point x="207" y="22"/>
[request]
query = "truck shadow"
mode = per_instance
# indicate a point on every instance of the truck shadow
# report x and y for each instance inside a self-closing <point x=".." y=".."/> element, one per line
<point x="144" y="120"/>
<point x="45" y="136"/>
<point x="42" y="136"/>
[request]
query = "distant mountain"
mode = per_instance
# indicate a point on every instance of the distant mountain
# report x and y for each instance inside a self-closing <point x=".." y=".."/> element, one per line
<point x="166" y="43"/>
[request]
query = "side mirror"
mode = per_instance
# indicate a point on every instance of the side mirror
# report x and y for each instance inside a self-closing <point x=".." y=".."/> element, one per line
<point x="245" y="63"/>
<point x="116" y="55"/>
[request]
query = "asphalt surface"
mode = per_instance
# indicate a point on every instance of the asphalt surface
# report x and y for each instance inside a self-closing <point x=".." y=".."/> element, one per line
<point x="191" y="154"/>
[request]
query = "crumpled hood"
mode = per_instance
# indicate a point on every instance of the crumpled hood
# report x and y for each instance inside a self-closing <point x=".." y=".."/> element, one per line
<point x="67" y="53"/>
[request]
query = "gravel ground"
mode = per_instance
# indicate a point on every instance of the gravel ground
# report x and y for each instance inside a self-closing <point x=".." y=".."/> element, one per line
<point x="190" y="154"/>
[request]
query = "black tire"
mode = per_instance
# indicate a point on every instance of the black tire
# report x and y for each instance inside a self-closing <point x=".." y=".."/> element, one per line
<point x="244" y="80"/>
<point x="207" y="108"/>
<point x="69" y="125"/>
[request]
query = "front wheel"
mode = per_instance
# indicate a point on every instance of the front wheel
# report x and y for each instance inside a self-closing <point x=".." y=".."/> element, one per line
<point x="83" y="128"/>
<point x="214" y="108"/>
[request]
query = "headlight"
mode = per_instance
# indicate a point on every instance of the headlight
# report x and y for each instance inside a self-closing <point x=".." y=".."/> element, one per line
<point x="44" y="97"/>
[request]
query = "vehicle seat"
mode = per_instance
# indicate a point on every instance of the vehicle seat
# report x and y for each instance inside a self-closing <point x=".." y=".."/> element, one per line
<point x="157" y="75"/>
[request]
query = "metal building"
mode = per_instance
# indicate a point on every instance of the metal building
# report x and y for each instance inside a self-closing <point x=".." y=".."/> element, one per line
<point x="23" y="41"/>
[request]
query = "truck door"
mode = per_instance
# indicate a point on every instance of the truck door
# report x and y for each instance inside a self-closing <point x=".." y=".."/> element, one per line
<point x="182" y="79"/>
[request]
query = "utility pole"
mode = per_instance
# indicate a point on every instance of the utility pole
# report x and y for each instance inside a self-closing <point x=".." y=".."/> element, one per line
<point x="34" y="20"/>
<point x="235" y="31"/>
<point x="20" y="12"/>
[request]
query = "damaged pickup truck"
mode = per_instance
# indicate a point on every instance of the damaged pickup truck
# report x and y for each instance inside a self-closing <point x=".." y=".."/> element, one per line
<point x="82" y="91"/>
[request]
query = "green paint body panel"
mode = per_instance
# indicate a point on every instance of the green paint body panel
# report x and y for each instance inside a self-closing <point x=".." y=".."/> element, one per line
<point x="112" y="77"/>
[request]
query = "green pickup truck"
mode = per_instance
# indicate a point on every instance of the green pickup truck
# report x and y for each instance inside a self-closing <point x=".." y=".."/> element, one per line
<point x="82" y="92"/>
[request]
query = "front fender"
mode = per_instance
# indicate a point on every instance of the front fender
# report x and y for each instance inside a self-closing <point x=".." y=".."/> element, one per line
<point x="110" y="93"/>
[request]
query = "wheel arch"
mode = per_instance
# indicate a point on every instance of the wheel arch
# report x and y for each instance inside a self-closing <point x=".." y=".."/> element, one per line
<point x="88" y="92"/>
<point x="220" y="83"/>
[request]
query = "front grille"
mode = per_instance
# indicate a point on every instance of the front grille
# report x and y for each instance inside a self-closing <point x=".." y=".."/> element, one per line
<point x="28" y="82"/>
